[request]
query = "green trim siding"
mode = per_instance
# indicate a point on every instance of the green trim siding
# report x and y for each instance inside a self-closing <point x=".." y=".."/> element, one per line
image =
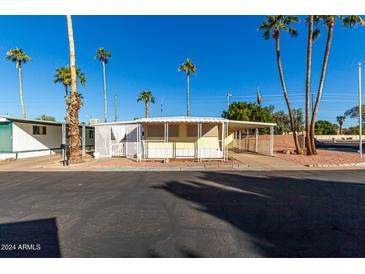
<point x="6" y="136"/>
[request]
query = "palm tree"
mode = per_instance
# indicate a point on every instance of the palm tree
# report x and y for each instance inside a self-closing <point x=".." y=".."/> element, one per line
<point x="19" y="57"/>
<point x="272" y="28"/>
<point x="329" y="22"/>
<point x="75" y="154"/>
<point x="340" y="121"/>
<point x="63" y="76"/>
<point x="188" y="67"/>
<point x="146" y="96"/>
<point x="103" y="55"/>
<point x="310" y="20"/>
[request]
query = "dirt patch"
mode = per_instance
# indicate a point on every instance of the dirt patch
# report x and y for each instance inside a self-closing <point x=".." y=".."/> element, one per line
<point x="286" y="142"/>
<point x="324" y="157"/>
<point x="123" y="162"/>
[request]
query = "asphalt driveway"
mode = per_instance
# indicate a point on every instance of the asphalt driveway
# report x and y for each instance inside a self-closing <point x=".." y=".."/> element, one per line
<point x="183" y="214"/>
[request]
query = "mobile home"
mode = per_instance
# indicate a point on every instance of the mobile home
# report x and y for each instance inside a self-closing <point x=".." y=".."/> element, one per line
<point x="173" y="137"/>
<point x="22" y="138"/>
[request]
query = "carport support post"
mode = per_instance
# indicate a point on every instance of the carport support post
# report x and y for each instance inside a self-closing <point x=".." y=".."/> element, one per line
<point x="271" y="141"/>
<point x="197" y="143"/>
<point x="137" y="148"/>
<point x="226" y="157"/>
<point x="256" y="140"/>
<point x="239" y="139"/>
<point x="166" y="139"/>
<point x="223" y="141"/>
<point x="83" y="140"/>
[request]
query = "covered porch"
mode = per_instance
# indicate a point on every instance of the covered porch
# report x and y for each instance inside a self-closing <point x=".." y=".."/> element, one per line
<point x="180" y="138"/>
<point x="197" y="138"/>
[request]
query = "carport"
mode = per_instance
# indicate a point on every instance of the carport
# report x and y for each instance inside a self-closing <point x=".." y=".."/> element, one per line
<point x="247" y="137"/>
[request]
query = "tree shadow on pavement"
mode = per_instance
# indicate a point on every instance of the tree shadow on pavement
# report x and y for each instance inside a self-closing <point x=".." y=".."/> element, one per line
<point x="30" y="239"/>
<point x="283" y="216"/>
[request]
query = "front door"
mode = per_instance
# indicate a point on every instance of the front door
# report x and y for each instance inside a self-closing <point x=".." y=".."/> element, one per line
<point x="6" y="137"/>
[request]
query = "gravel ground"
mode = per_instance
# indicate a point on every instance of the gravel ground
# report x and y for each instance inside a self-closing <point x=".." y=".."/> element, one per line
<point x="324" y="157"/>
<point x="124" y="162"/>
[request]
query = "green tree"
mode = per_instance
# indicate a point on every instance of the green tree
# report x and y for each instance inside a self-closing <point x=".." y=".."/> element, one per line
<point x="103" y="55"/>
<point x="244" y="111"/>
<point x="299" y="119"/>
<point x="19" y="57"/>
<point x="146" y="97"/>
<point x="354" y="112"/>
<point x="355" y="130"/>
<point x="340" y="121"/>
<point x="45" y="117"/>
<point x="282" y="122"/>
<point x="324" y="127"/>
<point x="188" y="67"/>
<point x="272" y="27"/>
<point x="328" y="21"/>
<point x="63" y="76"/>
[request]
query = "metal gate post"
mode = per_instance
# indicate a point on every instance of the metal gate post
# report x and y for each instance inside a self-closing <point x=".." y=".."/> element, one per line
<point x="83" y="140"/>
<point x="257" y="140"/>
<point x="271" y="141"/>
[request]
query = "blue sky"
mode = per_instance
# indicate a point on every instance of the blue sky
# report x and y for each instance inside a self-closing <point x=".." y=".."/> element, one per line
<point x="229" y="52"/>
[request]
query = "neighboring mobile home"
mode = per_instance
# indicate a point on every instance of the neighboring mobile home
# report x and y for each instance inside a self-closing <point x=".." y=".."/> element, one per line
<point x="22" y="138"/>
<point x="174" y="137"/>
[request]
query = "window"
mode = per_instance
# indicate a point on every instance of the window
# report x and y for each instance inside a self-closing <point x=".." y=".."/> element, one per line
<point x="39" y="130"/>
<point x="192" y="131"/>
<point x="155" y="131"/>
<point x="173" y="130"/>
<point x="209" y="130"/>
<point x="91" y="134"/>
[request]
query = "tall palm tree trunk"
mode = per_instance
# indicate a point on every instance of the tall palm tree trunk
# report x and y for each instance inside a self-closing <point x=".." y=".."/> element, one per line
<point x="188" y="94"/>
<point x="307" y="86"/>
<point x="74" y="114"/>
<point x="146" y="109"/>
<point x="291" y="115"/>
<point x="321" y="82"/>
<point x="21" y="90"/>
<point x="105" y="100"/>
<point x="67" y="116"/>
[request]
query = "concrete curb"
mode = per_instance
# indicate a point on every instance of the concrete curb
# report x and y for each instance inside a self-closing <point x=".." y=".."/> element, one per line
<point x="229" y="168"/>
<point x="338" y="165"/>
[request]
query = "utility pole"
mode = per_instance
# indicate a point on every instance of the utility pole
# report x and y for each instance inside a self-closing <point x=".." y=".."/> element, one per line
<point x="162" y="105"/>
<point x="360" y="113"/>
<point x="116" y="108"/>
<point x="228" y="95"/>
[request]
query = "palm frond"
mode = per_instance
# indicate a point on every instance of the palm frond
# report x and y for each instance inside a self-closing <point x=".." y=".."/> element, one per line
<point x="102" y="55"/>
<point x="17" y="56"/>
<point x="188" y="67"/>
<point x="352" y="21"/>
<point x="272" y="26"/>
<point x="316" y="34"/>
<point x="146" y="96"/>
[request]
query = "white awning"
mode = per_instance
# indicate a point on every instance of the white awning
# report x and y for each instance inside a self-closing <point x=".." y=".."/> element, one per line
<point x="182" y="119"/>
<point x="232" y="124"/>
<point x="239" y="125"/>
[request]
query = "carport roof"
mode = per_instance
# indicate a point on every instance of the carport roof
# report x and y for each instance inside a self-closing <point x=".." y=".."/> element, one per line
<point x="232" y="124"/>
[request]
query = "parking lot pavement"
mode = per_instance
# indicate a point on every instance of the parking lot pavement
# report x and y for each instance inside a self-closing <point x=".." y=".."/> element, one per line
<point x="183" y="214"/>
